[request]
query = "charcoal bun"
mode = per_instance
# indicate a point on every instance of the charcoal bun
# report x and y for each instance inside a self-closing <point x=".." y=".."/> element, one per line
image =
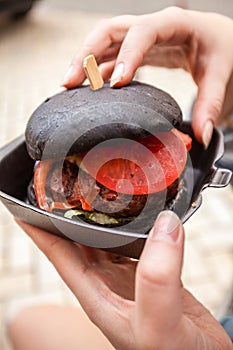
<point x="96" y="116"/>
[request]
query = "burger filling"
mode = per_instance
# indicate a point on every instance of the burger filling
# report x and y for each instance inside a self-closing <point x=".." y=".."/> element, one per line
<point x="112" y="184"/>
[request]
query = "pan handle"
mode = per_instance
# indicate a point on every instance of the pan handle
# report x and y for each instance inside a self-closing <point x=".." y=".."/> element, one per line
<point x="221" y="177"/>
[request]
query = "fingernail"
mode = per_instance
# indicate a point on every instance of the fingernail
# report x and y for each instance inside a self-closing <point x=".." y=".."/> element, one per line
<point x="117" y="74"/>
<point x="68" y="75"/>
<point x="207" y="133"/>
<point x="167" y="227"/>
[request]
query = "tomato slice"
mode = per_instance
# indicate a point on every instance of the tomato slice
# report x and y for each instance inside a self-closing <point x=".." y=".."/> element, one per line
<point x="184" y="137"/>
<point x="140" y="166"/>
<point x="40" y="178"/>
<point x="40" y="181"/>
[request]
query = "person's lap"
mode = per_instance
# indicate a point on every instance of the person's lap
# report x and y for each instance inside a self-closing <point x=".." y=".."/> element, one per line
<point x="52" y="327"/>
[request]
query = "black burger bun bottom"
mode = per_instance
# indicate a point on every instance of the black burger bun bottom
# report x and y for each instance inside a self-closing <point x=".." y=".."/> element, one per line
<point x="81" y="118"/>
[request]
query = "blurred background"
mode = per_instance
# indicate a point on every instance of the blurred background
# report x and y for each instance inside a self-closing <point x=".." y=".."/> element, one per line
<point x="37" y="42"/>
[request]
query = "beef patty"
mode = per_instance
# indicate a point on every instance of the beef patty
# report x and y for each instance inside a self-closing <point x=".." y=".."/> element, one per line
<point x="63" y="185"/>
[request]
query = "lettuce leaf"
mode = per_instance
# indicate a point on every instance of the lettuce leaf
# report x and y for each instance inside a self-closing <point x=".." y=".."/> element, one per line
<point x="98" y="218"/>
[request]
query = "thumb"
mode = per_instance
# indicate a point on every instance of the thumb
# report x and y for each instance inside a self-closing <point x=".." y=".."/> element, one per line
<point x="158" y="287"/>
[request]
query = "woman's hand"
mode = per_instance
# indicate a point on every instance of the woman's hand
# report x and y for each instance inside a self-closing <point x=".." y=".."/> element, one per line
<point x="199" y="42"/>
<point x="136" y="305"/>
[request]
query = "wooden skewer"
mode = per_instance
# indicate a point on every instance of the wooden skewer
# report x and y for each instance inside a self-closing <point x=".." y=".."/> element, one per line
<point x="92" y="72"/>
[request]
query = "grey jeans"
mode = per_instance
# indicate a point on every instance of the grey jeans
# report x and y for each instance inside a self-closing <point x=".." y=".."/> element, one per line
<point x="227" y="323"/>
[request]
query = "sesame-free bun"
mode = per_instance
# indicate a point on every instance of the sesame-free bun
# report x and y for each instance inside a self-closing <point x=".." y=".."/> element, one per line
<point x="81" y="118"/>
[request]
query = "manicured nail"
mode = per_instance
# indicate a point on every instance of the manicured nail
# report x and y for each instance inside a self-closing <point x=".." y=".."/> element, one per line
<point x="167" y="227"/>
<point x="117" y="74"/>
<point x="207" y="133"/>
<point x="68" y="75"/>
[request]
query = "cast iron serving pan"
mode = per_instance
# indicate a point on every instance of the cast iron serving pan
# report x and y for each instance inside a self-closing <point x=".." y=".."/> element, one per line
<point x="79" y="120"/>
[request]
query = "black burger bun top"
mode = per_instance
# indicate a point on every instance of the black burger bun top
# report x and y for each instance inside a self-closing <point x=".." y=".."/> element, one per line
<point x="76" y="120"/>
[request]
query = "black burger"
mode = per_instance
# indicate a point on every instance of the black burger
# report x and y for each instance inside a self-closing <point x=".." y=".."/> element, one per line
<point x="107" y="156"/>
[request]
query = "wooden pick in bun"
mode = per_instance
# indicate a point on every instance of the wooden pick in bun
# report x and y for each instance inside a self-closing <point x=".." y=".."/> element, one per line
<point x="106" y="155"/>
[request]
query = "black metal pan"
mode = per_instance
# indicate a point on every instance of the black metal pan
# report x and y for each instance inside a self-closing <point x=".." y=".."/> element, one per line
<point x="16" y="169"/>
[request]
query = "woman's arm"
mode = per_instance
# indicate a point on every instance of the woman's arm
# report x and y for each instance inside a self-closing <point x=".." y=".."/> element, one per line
<point x="199" y="42"/>
<point x="136" y="305"/>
